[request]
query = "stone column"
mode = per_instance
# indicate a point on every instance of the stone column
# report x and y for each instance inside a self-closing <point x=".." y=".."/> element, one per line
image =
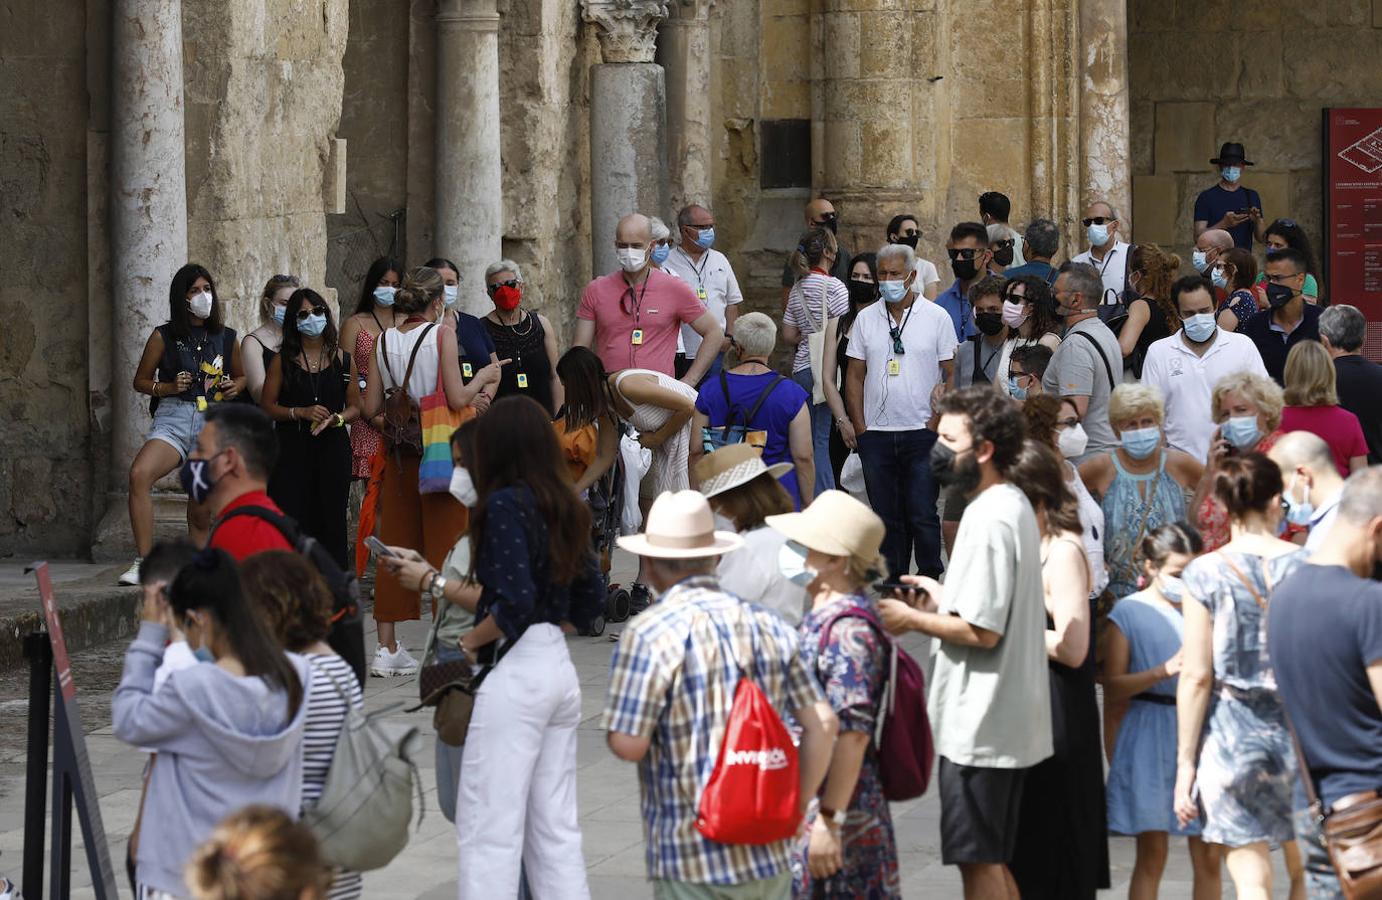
<point x="470" y="189"/>
<point x="683" y="50"/>
<point x="148" y="216"/>
<point x="1106" y="169"/>
<point x="628" y="121"/>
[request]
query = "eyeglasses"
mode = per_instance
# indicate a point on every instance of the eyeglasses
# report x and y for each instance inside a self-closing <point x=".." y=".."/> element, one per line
<point x="909" y="232"/>
<point x="493" y="288"/>
<point x="1016" y="375"/>
<point x="1287" y="223"/>
<point x="697" y="226"/>
<point x="963" y="253"/>
<point x="826" y="219"/>
<point x="1004" y="245"/>
<point x="1098" y="220"/>
<point x="310" y="310"/>
<point x="896" y="334"/>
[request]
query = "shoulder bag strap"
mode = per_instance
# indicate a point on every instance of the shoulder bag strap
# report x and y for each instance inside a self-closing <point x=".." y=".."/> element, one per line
<point x="762" y="398"/>
<point x="1108" y="370"/>
<point x="886" y="695"/>
<point x="1252" y="588"/>
<point x="286" y="526"/>
<point x="978" y="373"/>
<point x="408" y="375"/>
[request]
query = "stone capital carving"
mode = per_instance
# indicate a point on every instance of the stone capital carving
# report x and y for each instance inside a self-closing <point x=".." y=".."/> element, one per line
<point x="628" y="28"/>
<point x="690" y="10"/>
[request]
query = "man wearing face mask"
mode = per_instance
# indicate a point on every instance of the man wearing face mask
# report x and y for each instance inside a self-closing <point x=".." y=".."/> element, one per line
<point x="1228" y="205"/>
<point x="696" y="262"/>
<point x="631" y="318"/>
<point x="903" y="229"/>
<point x="1082" y="366"/>
<point x="968" y="249"/>
<point x="1290" y="319"/>
<point x="994" y="209"/>
<point x="820" y="213"/>
<point x="900" y="351"/>
<point x="1313" y="486"/>
<point x="1106" y="252"/>
<point x="229" y="469"/>
<point x="976" y="359"/>
<point x="1185" y="366"/>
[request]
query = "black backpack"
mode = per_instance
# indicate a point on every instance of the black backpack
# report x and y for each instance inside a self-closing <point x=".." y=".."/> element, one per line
<point x="347" y="636"/>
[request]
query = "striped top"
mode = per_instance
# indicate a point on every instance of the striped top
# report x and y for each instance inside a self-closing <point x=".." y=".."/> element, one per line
<point x="326" y="715"/>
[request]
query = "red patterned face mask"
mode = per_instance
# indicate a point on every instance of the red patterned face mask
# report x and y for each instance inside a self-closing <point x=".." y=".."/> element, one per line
<point x="507" y="298"/>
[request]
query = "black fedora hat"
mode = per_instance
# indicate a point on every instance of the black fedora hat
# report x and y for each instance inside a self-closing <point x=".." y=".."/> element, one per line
<point x="1230" y="153"/>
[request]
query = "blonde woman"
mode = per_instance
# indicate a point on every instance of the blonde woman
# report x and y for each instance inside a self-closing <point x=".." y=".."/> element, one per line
<point x="1312" y="404"/>
<point x="261" y="345"/>
<point x="1247" y="408"/>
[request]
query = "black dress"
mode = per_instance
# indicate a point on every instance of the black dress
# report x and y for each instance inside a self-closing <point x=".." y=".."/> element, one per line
<point x="311" y="481"/>
<point x="1156" y="328"/>
<point x="525" y="344"/>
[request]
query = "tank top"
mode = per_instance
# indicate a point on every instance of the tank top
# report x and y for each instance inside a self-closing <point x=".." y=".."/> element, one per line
<point x="394" y="347"/>
<point x="1135" y="506"/>
<point x="303" y="388"/>
<point x="205" y="354"/>
<point x="525" y="344"/>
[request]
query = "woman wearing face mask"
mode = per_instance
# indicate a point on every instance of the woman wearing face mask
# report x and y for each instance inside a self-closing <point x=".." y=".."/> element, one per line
<point x="863" y="290"/>
<point x="1062" y="844"/>
<point x="1281" y="234"/>
<point x="527" y="338"/>
<point x="473" y="343"/>
<point x="227" y="735"/>
<point x="1235" y="273"/>
<point x="189" y="362"/>
<point x="1003" y="241"/>
<point x="374" y="312"/>
<point x="832" y="550"/>
<point x="261" y="344"/>
<point x="1141" y="484"/>
<point x="1152" y="316"/>
<point x="1247" y="409"/>
<point x="1029" y="312"/>
<point x="904" y="229"/>
<point x="1140" y="657"/>
<point x="312" y="394"/>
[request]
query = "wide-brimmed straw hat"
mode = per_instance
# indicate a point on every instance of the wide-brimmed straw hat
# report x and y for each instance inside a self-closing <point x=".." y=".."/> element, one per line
<point x="836" y="524"/>
<point x="733" y="465"/>
<point x="681" y="526"/>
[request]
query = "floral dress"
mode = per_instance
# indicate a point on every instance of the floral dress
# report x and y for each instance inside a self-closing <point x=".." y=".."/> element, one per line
<point x="1213" y="517"/>
<point x="852" y="668"/>
<point x="365" y="440"/>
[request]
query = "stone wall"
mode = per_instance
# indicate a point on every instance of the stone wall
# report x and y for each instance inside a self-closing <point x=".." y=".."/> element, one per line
<point x="1259" y="73"/>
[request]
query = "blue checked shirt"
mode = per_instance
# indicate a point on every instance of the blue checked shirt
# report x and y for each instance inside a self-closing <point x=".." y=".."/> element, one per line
<point x="672" y="678"/>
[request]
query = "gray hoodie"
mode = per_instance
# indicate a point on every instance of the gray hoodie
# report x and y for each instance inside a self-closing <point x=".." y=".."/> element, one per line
<point x="222" y="744"/>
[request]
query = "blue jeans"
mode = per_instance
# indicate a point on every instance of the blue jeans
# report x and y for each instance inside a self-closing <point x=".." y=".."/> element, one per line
<point x="821" y="421"/>
<point x="897" y="473"/>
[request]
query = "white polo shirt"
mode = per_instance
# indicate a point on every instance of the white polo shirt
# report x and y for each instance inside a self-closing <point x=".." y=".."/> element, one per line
<point x="901" y="402"/>
<point x="1113" y="268"/>
<point x="1187" y="380"/>
<point x="714" y="283"/>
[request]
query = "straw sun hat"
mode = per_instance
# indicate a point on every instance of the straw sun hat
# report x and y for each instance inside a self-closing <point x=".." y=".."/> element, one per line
<point x="732" y="466"/>
<point x="835" y="524"/>
<point x="681" y="526"/>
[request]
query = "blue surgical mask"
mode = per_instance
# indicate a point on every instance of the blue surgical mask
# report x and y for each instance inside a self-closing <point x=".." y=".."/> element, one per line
<point x="1172" y="588"/>
<point x="1097" y="234"/>
<point x="1200" y="327"/>
<point x="1241" y="431"/>
<point x="1200" y="260"/>
<point x="660" y="253"/>
<point x="203" y="655"/>
<point x="278" y="314"/>
<point x="1219" y="278"/>
<point x="893" y="291"/>
<point x="1232" y="174"/>
<point x="1017" y="393"/>
<point x="791" y="562"/>
<point x="1298" y="512"/>
<point x="451" y="292"/>
<point x="313" y="325"/>
<point x="384" y="295"/>
<point x="705" y="238"/>
<point x="1140" y="443"/>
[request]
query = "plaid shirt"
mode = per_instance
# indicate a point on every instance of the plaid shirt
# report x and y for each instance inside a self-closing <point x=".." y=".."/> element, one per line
<point x="672" y="679"/>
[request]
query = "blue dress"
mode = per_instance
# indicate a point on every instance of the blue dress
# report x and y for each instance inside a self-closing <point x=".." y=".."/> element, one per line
<point x="1142" y="773"/>
<point x="1247" y="768"/>
<point x="1135" y="506"/>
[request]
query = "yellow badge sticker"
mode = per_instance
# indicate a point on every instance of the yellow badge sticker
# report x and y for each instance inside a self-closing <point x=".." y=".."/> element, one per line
<point x="637" y="337"/>
<point x="467" y="370"/>
<point x="894" y="367"/>
<point x="522" y="380"/>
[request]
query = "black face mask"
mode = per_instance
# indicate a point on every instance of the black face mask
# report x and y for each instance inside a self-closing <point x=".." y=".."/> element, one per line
<point x="862" y="293"/>
<point x="831" y="222"/>
<point x="908" y="239"/>
<point x="1003" y="257"/>
<point x="990" y="323"/>
<point x="964" y="269"/>
<point x="950" y="471"/>
<point x="1278" y="295"/>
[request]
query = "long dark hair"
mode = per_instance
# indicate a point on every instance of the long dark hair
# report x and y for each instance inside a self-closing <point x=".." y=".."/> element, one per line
<point x="587" y="388"/>
<point x="441" y="262"/>
<point x="292" y="338"/>
<point x="1296" y="238"/>
<point x="377" y="270"/>
<point x="179" y="317"/>
<point x="1173" y="537"/>
<point x="211" y="583"/>
<point x="1041" y="475"/>
<point x="870" y="259"/>
<point x="1038" y="294"/>
<point x="516" y="444"/>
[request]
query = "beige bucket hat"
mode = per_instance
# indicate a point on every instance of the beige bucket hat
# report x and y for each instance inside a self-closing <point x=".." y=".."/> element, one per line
<point x="732" y="466"/>
<point x="834" y="523"/>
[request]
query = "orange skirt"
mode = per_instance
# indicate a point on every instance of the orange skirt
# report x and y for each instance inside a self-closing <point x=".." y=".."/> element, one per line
<point x="428" y="523"/>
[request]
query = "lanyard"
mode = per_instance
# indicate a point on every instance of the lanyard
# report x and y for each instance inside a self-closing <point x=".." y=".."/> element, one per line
<point x="705" y="261"/>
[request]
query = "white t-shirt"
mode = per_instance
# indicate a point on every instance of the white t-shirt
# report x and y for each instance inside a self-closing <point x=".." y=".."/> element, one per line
<point x="897" y="388"/>
<point x="1113" y="268"/>
<point x="1186" y="382"/>
<point x="714" y="283"/>
<point x="992" y="707"/>
<point x="926" y="274"/>
<point x="752" y="573"/>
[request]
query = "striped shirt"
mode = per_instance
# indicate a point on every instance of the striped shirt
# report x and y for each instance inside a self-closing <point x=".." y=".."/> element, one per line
<point x="326" y="715"/>
<point x="673" y="680"/>
<point x="804" y="310"/>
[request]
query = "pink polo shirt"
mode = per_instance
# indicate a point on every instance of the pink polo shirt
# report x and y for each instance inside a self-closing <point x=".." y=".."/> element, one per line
<point x="656" y="308"/>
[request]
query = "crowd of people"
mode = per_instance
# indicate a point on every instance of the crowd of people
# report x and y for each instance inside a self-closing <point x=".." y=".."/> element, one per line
<point x="1092" y="477"/>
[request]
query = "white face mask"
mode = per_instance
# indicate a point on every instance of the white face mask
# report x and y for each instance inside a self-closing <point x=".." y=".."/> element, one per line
<point x="463" y="487"/>
<point x="631" y="259"/>
<point x="200" y="304"/>
<point x="1073" y="441"/>
<point x="451" y="292"/>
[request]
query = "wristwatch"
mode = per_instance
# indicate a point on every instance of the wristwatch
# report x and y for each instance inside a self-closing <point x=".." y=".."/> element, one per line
<point x="833" y="818"/>
<point x="340" y="420"/>
<point x="437" y="588"/>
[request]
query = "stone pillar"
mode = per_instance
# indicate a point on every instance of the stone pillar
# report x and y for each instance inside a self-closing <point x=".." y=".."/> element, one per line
<point x="1106" y="169"/>
<point x="628" y="121"/>
<point x="148" y="216"/>
<point x="470" y="190"/>
<point x="683" y="50"/>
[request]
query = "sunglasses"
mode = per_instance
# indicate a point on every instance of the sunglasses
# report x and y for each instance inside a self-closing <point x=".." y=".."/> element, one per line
<point x="310" y="310"/>
<point x="964" y="253"/>
<point x="1098" y="220"/>
<point x="493" y="288"/>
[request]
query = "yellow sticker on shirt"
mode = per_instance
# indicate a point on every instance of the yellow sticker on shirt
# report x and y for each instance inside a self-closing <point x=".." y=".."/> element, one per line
<point x="894" y="367"/>
<point x="467" y="370"/>
<point x="522" y="380"/>
<point x="637" y="337"/>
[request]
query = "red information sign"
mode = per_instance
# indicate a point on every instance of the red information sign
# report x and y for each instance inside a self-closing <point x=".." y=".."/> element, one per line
<point x="1353" y="215"/>
<point x="61" y="663"/>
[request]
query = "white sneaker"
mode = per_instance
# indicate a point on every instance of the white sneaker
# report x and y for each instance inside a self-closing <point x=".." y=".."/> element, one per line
<point x="131" y="576"/>
<point x="387" y="664"/>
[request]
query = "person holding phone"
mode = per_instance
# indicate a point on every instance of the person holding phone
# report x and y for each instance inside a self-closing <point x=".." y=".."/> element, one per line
<point x="1248" y="409"/>
<point x="1228" y="205"/>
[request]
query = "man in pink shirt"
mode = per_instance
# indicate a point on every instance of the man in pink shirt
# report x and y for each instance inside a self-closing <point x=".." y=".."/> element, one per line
<point x="631" y="318"/>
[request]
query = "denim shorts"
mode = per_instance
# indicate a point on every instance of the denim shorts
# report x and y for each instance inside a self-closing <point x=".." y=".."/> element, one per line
<point x="177" y="423"/>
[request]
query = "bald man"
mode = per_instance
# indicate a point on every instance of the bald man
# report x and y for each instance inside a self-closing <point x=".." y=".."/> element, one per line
<point x="631" y="317"/>
<point x="820" y="213"/>
<point x="1106" y="252"/>
<point x="1209" y="246"/>
<point x="1313" y="487"/>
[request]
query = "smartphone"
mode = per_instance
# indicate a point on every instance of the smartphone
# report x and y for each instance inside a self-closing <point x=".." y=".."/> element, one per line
<point x="885" y="588"/>
<point x="378" y="547"/>
<point x="1245" y="211"/>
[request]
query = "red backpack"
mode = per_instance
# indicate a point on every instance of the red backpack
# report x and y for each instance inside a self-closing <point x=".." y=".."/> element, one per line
<point x="752" y="795"/>
<point x="902" y="734"/>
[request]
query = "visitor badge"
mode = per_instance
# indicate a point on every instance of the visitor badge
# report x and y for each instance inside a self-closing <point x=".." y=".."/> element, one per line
<point x="894" y="367"/>
<point x="637" y="337"/>
<point x="522" y="380"/>
<point x="467" y="370"/>
<point x="700" y="292"/>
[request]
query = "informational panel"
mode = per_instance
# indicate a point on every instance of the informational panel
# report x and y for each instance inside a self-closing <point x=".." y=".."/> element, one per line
<point x="1353" y="215"/>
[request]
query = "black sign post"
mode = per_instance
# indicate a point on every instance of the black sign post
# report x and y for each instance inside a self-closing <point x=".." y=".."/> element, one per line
<point x="72" y="781"/>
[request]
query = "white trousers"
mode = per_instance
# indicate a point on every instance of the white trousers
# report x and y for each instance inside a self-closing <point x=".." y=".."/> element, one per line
<point x="517" y="797"/>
